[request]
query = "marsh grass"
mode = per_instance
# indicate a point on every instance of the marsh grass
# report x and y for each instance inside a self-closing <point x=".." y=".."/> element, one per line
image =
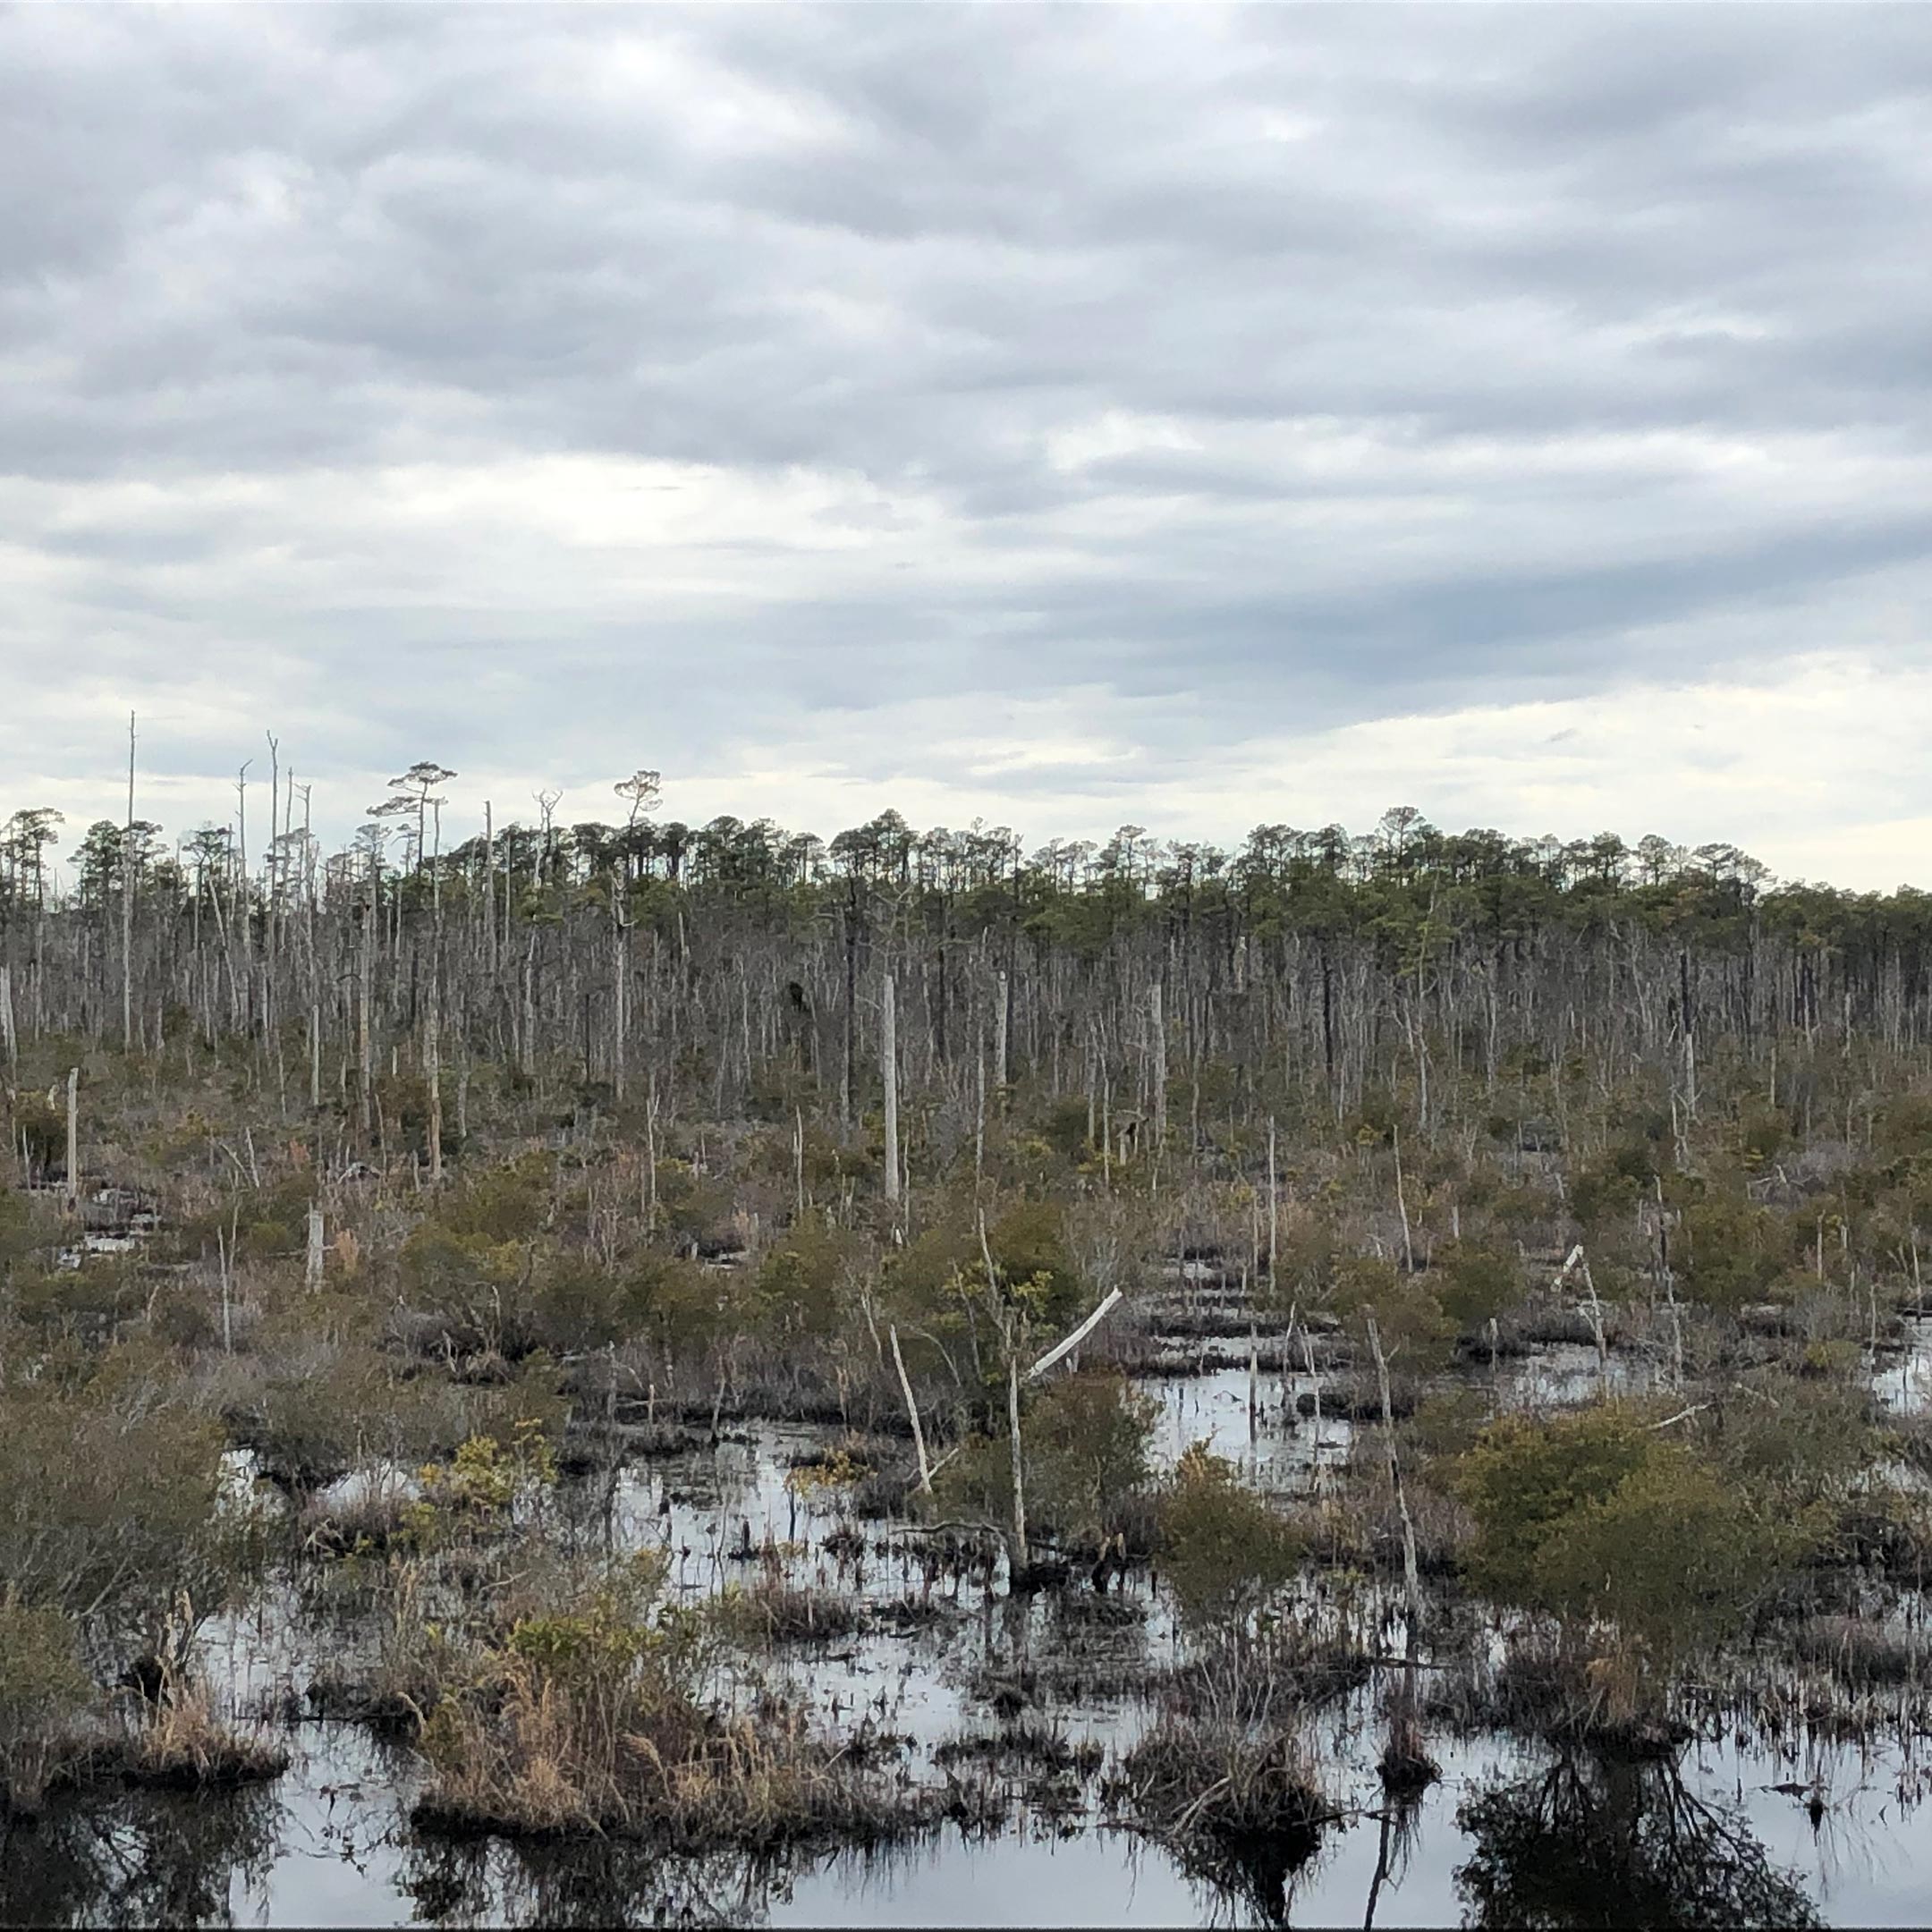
<point x="1242" y="1809"/>
<point x="774" y="1612"/>
<point x="1240" y="1679"/>
<point x="184" y="1745"/>
<point x="551" y="1753"/>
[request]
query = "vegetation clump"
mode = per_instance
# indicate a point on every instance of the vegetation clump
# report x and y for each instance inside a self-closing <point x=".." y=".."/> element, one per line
<point x="591" y="1721"/>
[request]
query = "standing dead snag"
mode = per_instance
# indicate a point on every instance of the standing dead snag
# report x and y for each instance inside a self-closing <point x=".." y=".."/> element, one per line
<point x="1405" y="1764"/>
<point x="74" y="1139"/>
<point x="1002" y="1003"/>
<point x="1273" y="1205"/>
<point x="433" y="1079"/>
<point x="1411" y="1570"/>
<point x="912" y="1414"/>
<point x="1022" y="1558"/>
<point x="127" y="904"/>
<point x="1157" y="1031"/>
<point x="889" y="1070"/>
<point x="1012" y="1338"/>
<point x="9" y="1038"/>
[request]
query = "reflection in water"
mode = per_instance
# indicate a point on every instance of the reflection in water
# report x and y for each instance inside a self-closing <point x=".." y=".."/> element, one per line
<point x="1596" y="1842"/>
<point x="1255" y="1872"/>
<point x="585" y="1882"/>
<point x="142" y="1858"/>
<point x="1399" y="1823"/>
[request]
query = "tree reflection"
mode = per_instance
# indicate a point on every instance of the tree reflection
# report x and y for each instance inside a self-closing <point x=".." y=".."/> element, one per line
<point x="587" y="1882"/>
<point x="1254" y="1873"/>
<point x="143" y="1859"/>
<point x="1596" y="1842"/>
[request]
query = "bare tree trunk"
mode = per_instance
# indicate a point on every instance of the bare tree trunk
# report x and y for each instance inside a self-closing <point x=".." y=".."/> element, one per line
<point x="1022" y="1558"/>
<point x="620" y="1006"/>
<point x="889" y="1071"/>
<point x="127" y="904"/>
<point x="365" y="992"/>
<point x="912" y="1414"/>
<point x="1002" y="1001"/>
<point x="1412" y="1569"/>
<point x="74" y="1139"/>
<point x="1158" y="1020"/>
<point x="312" y="1263"/>
<point x="1402" y="1206"/>
<point x="433" y="1076"/>
<point x="526" y="1032"/>
<point x="979" y="1113"/>
<point x="1273" y="1206"/>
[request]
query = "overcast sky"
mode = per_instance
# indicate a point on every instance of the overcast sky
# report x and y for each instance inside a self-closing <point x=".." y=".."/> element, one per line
<point x="1063" y="416"/>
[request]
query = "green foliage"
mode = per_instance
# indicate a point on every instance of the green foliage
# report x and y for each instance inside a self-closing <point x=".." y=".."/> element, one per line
<point x="1728" y="1252"/>
<point x="1029" y="1245"/>
<point x="1085" y="1439"/>
<point x="798" y="1286"/>
<point x="333" y="1409"/>
<point x="110" y="1506"/>
<point x="487" y="1477"/>
<point x="1675" y="1557"/>
<point x="1224" y="1551"/>
<point x="1802" y="1441"/>
<point x="1407" y="1314"/>
<point x="44" y="1690"/>
<point x="509" y="1203"/>
<point x="1603" y="1192"/>
<point x="1473" y="1283"/>
<point x="1525" y="1481"/>
<point x="41" y="1126"/>
<point x="1596" y="1516"/>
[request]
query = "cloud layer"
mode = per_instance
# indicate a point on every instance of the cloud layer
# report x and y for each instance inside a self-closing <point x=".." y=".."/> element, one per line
<point x="1058" y="415"/>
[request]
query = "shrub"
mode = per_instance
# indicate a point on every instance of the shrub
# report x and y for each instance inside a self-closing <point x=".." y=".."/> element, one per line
<point x="1728" y="1252"/>
<point x="1085" y="1439"/>
<point x="110" y="1507"/>
<point x="1473" y="1284"/>
<point x="1595" y="1515"/>
<point x="1224" y="1549"/>
<point x="43" y="1692"/>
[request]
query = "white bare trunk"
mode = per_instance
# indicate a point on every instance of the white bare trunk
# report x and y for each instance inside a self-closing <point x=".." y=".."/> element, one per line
<point x="999" y="1031"/>
<point x="889" y="1070"/>
<point x="1020" y="1558"/>
<point x="912" y="1414"/>
<point x="74" y="1139"/>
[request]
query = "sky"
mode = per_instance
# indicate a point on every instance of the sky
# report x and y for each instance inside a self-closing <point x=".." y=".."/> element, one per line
<point x="1062" y="417"/>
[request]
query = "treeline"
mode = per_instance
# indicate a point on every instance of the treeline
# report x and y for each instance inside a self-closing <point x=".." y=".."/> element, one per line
<point x="734" y="968"/>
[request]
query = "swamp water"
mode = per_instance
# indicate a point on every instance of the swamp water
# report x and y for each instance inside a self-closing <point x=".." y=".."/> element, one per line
<point x="1735" y="1831"/>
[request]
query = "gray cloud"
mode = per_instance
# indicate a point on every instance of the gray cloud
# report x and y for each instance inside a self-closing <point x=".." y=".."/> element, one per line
<point x="1292" y="362"/>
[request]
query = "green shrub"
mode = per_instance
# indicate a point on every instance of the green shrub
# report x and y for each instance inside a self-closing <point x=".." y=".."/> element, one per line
<point x="1473" y="1283"/>
<point x="1596" y="1516"/>
<point x="43" y="1692"/>
<point x="110" y="1506"/>
<point x="1224" y="1550"/>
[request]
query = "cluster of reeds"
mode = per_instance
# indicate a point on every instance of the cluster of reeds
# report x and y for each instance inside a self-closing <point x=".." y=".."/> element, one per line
<point x="590" y="1720"/>
<point x="181" y="1743"/>
<point x="773" y="1611"/>
<point x="1241" y="1807"/>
